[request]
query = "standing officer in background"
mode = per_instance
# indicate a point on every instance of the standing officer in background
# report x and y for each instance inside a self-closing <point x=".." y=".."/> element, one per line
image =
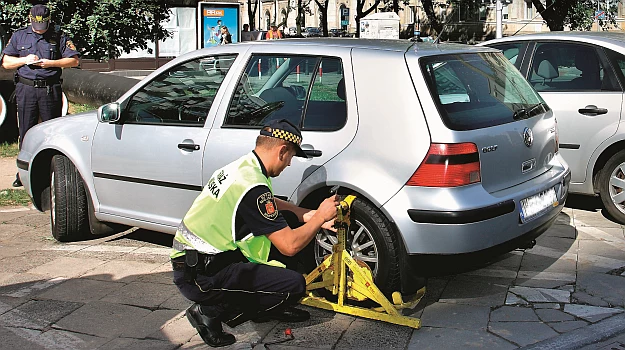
<point x="38" y="52"/>
<point x="221" y="249"/>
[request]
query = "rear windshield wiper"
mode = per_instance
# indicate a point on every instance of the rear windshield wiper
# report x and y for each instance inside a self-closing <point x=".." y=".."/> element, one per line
<point x="523" y="113"/>
<point x="539" y="104"/>
<point x="520" y="113"/>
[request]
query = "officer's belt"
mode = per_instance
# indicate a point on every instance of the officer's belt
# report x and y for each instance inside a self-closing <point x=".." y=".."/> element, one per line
<point x="178" y="264"/>
<point x="39" y="83"/>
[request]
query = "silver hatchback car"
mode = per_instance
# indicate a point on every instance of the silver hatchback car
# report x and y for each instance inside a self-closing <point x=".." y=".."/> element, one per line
<point x="581" y="75"/>
<point x="447" y="147"/>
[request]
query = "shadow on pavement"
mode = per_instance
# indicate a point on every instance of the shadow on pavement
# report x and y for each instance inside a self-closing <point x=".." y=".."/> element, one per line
<point x="588" y="203"/>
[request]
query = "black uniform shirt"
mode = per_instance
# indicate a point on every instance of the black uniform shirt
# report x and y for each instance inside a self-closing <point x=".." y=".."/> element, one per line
<point x="51" y="45"/>
<point x="257" y="212"/>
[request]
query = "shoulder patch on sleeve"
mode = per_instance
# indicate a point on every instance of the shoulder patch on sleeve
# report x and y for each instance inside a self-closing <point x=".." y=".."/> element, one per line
<point x="267" y="206"/>
<point x="70" y="45"/>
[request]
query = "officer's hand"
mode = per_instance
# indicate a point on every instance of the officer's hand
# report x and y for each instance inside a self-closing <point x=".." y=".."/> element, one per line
<point x="329" y="225"/>
<point x="45" y="63"/>
<point x="30" y="58"/>
<point x="327" y="208"/>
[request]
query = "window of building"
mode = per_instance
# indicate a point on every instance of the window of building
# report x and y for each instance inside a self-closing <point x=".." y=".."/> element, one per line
<point x="181" y="96"/>
<point x="529" y="10"/>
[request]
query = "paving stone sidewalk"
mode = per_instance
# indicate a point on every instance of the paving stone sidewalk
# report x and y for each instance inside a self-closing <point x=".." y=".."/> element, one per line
<point x="116" y="293"/>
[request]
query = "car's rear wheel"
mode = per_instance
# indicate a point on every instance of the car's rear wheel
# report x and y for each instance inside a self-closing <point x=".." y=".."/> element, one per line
<point x="612" y="186"/>
<point x="370" y="239"/>
<point x="68" y="201"/>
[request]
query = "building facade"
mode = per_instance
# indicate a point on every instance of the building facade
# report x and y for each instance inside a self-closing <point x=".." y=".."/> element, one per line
<point x="518" y="16"/>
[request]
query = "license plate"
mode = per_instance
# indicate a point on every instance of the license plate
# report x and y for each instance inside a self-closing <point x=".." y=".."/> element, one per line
<point x="536" y="205"/>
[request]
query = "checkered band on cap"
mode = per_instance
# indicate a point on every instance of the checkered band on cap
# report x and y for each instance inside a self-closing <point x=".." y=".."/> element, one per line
<point x="287" y="136"/>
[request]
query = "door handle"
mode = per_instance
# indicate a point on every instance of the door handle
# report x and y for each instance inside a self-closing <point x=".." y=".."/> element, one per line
<point x="592" y="111"/>
<point x="312" y="153"/>
<point x="189" y="146"/>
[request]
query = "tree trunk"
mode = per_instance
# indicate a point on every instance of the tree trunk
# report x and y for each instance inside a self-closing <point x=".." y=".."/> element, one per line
<point x="555" y="13"/>
<point x="251" y="14"/>
<point x="435" y="25"/>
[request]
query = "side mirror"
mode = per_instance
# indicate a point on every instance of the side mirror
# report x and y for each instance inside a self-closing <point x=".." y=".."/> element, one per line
<point x="109" y="113"/>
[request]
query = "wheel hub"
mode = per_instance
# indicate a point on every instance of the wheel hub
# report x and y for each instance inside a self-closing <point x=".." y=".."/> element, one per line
<point x="359" y="244"/>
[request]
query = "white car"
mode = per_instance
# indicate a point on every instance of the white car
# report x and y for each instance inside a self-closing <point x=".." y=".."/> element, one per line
<point x="581" y="76"/>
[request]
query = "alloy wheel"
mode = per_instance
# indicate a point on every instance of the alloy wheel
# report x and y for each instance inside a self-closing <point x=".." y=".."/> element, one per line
<point x="617" y="187"/>
<point x="359" y="243"/>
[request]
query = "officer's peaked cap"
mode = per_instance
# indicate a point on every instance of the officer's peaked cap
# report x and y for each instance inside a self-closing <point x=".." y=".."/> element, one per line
<point x="285" y="130"/>
<point x="39" y="17"/>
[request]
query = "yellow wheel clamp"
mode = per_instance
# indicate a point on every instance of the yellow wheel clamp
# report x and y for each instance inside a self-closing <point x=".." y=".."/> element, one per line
<point x="359" y="285"/>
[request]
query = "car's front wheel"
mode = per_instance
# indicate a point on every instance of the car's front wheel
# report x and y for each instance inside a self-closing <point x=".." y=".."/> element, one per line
<point x="612" y="186"/>
<point x="370" y="239"/>
<point x="68" y="201"/>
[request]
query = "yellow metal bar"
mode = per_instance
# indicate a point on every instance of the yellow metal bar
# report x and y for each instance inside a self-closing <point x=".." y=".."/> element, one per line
<point x="361" y="312"/>
<point x="311" y="277"/>
<point x="318" y="285"/>
<point x="362" y="279"/>
<point x="360" y="286"/>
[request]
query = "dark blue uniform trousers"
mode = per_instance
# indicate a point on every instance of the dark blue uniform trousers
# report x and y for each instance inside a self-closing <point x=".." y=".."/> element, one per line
<point x="35" y="102"/>
<point x="243" y="290"/>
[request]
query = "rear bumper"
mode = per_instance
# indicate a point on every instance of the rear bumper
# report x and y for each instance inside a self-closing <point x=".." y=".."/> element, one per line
<point x="469" y="219"/>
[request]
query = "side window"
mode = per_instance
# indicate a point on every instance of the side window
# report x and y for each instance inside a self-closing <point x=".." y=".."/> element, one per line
<point x="181" y="96"/>
<point x="618" y="60"/>
<point x="271" y="87"/>
<point x="326" y="108"/>
<point x="569" y="67"/>
<point x="513" y="52"/>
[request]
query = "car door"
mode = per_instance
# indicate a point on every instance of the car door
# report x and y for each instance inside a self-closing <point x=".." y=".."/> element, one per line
<point x="308" y="89"/>
<point x="149" y="166"/>
<point x="578" y="83"/>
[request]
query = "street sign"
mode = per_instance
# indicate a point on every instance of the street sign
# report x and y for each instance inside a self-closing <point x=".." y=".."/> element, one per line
<point x="345" y="12"/>
<point x="344" y="23"/>
<point x="599" y="14"/>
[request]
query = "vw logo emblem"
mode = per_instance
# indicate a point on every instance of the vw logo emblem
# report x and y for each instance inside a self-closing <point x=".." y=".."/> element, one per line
<point x="528" y="137"/>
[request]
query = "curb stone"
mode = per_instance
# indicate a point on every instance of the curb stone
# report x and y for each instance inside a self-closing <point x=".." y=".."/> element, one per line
<point x="581" y="337"/>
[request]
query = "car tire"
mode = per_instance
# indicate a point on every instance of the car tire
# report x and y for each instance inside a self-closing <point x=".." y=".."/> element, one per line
<point x="612" y="188"/>
<point x="68" y="201"/>
<point x="367" y="222"/>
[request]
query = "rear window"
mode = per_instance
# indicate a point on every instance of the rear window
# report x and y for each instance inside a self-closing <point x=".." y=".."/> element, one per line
<point x="479" y="90"/>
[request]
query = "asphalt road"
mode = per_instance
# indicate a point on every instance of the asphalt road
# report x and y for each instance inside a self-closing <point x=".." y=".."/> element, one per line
<point x="116" y="293"/>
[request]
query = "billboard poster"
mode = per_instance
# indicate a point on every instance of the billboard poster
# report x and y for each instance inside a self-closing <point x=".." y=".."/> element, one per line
<point x="212" y="17"/>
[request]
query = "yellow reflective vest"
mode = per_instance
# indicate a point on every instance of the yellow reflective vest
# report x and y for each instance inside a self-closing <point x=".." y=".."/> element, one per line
<point x="209" y="226"/>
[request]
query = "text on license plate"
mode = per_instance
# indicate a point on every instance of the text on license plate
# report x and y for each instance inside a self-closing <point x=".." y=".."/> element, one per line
<point x="534" y="206"/>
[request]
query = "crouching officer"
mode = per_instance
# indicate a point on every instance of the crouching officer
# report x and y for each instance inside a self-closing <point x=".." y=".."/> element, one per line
<point x="38" y="52"/>
<point x="221" y="249"/>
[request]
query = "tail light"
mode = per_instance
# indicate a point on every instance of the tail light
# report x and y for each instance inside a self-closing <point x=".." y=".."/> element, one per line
<point x="448" y="165"/>
<point x="557" y="138"/>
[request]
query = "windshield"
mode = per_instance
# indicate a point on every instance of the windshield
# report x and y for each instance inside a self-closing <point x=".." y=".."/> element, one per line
<point x="479" y="90"/>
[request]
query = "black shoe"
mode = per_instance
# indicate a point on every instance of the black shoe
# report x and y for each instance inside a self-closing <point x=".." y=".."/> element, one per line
<point x="288" y="314"/>
<point x="209" y="328"/>
<point x="17" y="182"/>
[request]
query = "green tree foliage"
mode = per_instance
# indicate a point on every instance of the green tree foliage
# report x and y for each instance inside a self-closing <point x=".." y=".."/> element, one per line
<point x="100" y="29"/>
<point x="577" y="14"/>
